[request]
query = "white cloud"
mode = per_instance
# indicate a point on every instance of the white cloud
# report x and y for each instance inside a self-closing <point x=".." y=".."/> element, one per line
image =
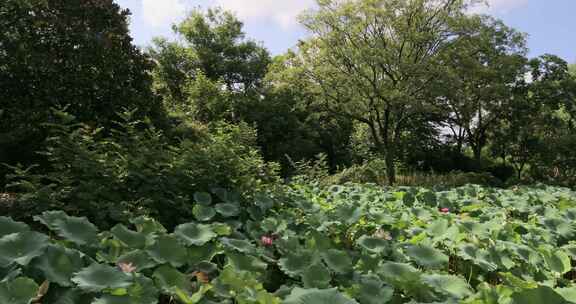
<point x="499" y="6"/>
<point x="282" y="12"/>
<point x="159" y="13"/>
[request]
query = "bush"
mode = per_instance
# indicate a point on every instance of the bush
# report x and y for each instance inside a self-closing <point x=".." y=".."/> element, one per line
<point x="502" y="172"/>
<point x="135" y="170"/>
<point x="374" y="172"/>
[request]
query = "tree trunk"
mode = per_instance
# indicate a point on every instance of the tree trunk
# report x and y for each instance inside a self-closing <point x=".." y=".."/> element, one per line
<point x="477" y="153"/>
<point x="384" y="148"/>
<point x="390" y="169"/>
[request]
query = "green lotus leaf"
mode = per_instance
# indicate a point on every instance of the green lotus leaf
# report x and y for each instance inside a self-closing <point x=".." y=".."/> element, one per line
<point x="474" y="228"/>
<point x="294" y="264"/>
<point x="110" y="299"/>
<point x="317" y="296"/>
<point x="320" y="241"/>
<point x="167" y="278"/>
<point x="75" y="229"/>
<point x="558" y="261"/>
<point x="206" y="252"/>
<point x="203" y="198"/>
<point x="368" y="262"/>
<point x="167" y="249"/>
<point x="206" y="267"/>
<point x="142" y="291"/>
<point x="316" y="276"/>
<point x="64" y="295"/>
<point x="428" y="198"/>
<point x="570" y="250"/>
<point x="228" y="209"/>
<point x="426" y="256"/>
<point x="540" y="295"/>
<point x="568" y="293"/>
<point x="517" y="282"/>
<point x="22" y="247"/>
<point x="8" y="226"/>
<point x="438" y="228"/>
<point x="51" y="219"/>
<point x="450" y="285"/>
<point x="194" y="234"/>
<point x="374" y="245"/>
<point x="131" y="238"/>
<point x="9" y="272"/>
<point x="480" y="257"/>
<point x="230" y="280"/>
<point x="374" y="291"/>
<point x="337" y="260"/>
<point x="18" y="291"/>
<point x="139" y="259"/>
<point x="243" y="262"/>
<point x="79" y="230"/>
<point x="263" y="201"/>
<point x="350" y="213"/>
<point x="559" y="226"/>
<point x="229" y="196"/>
<point x="59" y="264"/>
<point x="203" y="213"/>
<point x="408" y="199"/>
<point x="398" y="272"/>
<point x="243" y="246"/>
<point x="221" y="229"/>
<point x="98" y="277"/>
<point x="146" y="225"/>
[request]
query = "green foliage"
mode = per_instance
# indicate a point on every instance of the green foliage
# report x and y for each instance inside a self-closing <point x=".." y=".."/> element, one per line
<point x="19" y="291"/>
<point x="212" y="54"/>
<point x="374" y="172"/>
<point x="342" y="244"/>
<point x="55" y="53"/>
<point x="111" y="177"/>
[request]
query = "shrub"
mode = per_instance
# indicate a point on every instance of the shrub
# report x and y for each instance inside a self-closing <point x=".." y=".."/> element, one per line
<point x="375" y="172"/>
<point x="133" y="169"/>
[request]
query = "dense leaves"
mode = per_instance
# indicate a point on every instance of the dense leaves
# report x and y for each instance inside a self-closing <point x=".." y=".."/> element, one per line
<point x="515" y="246"/>
<point x="57" y="53"/>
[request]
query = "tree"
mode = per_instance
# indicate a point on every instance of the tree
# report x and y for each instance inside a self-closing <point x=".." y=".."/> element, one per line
<point x="74" y="52"/>
<point x="553" y="89"/>
<point x="289" y="123"/>
<point x="482" y="70"/>
<point x="373" y="60"/>
<point x="533" y="131"/>
<point x="213" y="43"/>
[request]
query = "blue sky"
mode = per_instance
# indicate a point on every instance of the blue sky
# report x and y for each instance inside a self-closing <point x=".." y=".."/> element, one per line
<point x="550" y="24"/>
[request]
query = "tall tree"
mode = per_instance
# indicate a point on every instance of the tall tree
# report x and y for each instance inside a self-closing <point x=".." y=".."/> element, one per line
<point x="374" y="59"/>
<point x="482" y="70"/>
<point x="65" y="52"/>
<point x="290" y="124"/>
<point x="214" y="45"/>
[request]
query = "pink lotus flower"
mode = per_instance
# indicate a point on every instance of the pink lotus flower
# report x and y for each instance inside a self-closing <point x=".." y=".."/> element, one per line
<point x="267" y="240"/>
<point x="127" y="267"/>
<point x="445" y="210"/>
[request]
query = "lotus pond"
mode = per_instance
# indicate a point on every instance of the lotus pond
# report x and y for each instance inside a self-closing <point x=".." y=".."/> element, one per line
<point x="308" y="245"/>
